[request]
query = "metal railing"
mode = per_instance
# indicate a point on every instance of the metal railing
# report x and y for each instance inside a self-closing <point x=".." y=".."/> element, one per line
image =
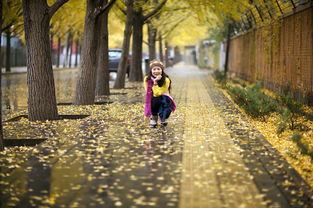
<point x="266" y="10"/>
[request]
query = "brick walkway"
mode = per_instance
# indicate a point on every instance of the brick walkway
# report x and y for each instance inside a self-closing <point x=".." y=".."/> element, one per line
<point x="213" y="173"/>
<point x="208" y="156"/>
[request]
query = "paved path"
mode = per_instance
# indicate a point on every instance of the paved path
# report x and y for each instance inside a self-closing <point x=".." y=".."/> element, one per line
<point x="208" y="156"/>
<point x="213" y="174"/>
<point x="245" y="170"/>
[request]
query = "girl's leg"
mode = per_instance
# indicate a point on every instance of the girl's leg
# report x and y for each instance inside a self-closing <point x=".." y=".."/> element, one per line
<point x="165" y="115"/>
<point x="155" y="106"/>
<point x="164" y="111"/>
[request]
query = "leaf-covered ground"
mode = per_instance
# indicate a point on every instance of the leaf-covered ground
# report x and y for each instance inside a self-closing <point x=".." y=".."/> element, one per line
<point x="283" y="142"/>
<point x="113" y="152"/>
<point x="205" y="157"/>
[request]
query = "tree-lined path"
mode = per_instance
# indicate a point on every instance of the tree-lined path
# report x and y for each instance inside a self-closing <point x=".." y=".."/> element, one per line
<point x="208" y="156"/>
<point x="213" y="173"/>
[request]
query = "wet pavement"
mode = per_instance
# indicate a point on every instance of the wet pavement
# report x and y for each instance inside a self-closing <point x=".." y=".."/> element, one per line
<point x="208" y="156"/>
<point x="14" y="88"/>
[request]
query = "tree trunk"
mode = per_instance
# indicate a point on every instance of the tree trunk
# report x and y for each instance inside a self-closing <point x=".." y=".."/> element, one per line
<point x="8" y="52"/>
<point x="136" y="69"/>
<point x="103" y="75"/>
<point x="80" y="53"/>
<point x="1" y="128"/>
<point x="41" y="90"/>
<point x="71" y="52"/>
<point x="1" y="55"/>
<point x="65" y="63"/>
<point x="227" y="47"/>
<point x="86" y="84"/>
<point x="177" y="55"/>
<point x="76" y="55"/>
<point x="59" y="52"/>
<point x="151" y="40"/>
<point x="122" y="66"/>
<point x="161" y="47"/>
<point x="167" y="63"/>
<point x="51" y="47"/>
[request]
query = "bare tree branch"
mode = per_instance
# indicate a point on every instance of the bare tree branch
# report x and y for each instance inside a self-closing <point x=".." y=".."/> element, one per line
<point x="168" y="32"/>
<point x="108" y="6"/>
<point x="178" y="9"/>
<point x="7" y="26"/>
<point x="56" y="6"/>
<point x="19" y="12"/>
<point x="171" y="21"/>
<point x="121" y="9"/>
<point x="19" y="26"/>
<point x="146" y="17"/>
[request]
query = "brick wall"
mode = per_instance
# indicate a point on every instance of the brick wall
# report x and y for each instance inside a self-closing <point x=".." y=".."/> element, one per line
<point x="278" y="54"/>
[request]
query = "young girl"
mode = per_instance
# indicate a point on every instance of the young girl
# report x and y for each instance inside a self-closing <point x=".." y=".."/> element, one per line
<point x="158" y="102"/>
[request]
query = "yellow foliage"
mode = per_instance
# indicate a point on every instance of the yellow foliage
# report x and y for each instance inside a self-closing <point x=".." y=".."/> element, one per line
<point x="12" y="16"/>
<point x="188" y="33"/>
<point x="69" y="18"/>
<point x="283" y="143"/>
<point x="116" y="30"/>
<point x="221" y="9"/>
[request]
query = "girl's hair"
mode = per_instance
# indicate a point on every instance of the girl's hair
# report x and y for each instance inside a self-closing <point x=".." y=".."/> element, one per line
<point x="156" y="63"/>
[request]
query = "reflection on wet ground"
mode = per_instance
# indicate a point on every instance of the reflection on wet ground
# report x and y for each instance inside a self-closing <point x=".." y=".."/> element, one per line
<point x="112" y="158"/>
<point x="109" y="159"/>
<point x="14" y="89"/>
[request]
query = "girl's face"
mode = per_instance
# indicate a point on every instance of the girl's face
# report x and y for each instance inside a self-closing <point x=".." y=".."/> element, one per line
<point x="156" y="71"/>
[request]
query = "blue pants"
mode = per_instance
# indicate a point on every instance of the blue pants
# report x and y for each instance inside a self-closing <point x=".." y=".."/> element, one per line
<point x="160" y="106"/>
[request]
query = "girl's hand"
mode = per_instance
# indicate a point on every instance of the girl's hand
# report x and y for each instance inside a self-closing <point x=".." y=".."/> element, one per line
<point x="158" y="77"/>
<point x="155" y="80"/>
